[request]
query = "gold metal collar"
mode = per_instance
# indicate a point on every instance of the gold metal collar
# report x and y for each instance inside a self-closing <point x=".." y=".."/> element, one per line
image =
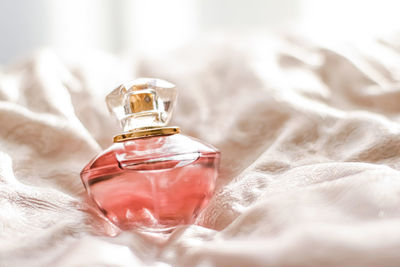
<point x="146" y="132"/>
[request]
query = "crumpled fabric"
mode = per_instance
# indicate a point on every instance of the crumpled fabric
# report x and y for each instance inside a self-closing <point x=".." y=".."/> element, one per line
<point x="310" y="141"/>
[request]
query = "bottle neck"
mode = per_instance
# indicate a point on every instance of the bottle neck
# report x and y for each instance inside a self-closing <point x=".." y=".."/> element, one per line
<point x="142" y="120"/>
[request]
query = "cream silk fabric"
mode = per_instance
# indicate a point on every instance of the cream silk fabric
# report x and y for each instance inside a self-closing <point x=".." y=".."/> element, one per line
<point x="309" y="135"/>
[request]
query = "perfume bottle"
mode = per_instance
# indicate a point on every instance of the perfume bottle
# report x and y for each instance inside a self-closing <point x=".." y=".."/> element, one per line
<point x="152" y="178"/>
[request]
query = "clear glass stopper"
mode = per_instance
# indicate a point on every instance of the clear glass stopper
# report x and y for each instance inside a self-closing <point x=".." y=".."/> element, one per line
<point x="144" y="102"/>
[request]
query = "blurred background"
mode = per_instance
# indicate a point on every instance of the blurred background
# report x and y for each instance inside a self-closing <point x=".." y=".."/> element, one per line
<point x="156" y="26"/>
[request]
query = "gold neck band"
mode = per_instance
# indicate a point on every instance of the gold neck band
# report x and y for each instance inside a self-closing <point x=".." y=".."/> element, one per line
<point x="146" y="132"/>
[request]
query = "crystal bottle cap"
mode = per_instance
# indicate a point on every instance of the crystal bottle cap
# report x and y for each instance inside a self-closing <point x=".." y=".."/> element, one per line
<point x="142" y="103"/>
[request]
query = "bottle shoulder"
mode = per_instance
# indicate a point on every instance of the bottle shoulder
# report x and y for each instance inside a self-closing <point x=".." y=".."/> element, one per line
<point x="177" y="143"/>
<point x="177" y="146"/>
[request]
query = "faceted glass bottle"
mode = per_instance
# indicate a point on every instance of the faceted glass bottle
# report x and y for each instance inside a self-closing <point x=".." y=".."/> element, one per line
<point x="152" y="178"/>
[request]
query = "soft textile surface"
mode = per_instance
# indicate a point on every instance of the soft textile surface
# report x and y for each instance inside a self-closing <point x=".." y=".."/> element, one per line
<point x="309" y="135"/>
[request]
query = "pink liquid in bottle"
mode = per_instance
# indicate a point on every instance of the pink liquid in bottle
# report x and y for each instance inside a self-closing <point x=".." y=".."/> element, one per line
<point x="154" y="183"/>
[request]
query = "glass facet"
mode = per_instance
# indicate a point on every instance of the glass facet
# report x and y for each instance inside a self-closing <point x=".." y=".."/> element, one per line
<point x="153" y="184"/>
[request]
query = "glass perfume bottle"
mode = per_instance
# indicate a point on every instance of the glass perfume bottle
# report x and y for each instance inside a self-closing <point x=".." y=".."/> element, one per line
<point x="152" y="178"/>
